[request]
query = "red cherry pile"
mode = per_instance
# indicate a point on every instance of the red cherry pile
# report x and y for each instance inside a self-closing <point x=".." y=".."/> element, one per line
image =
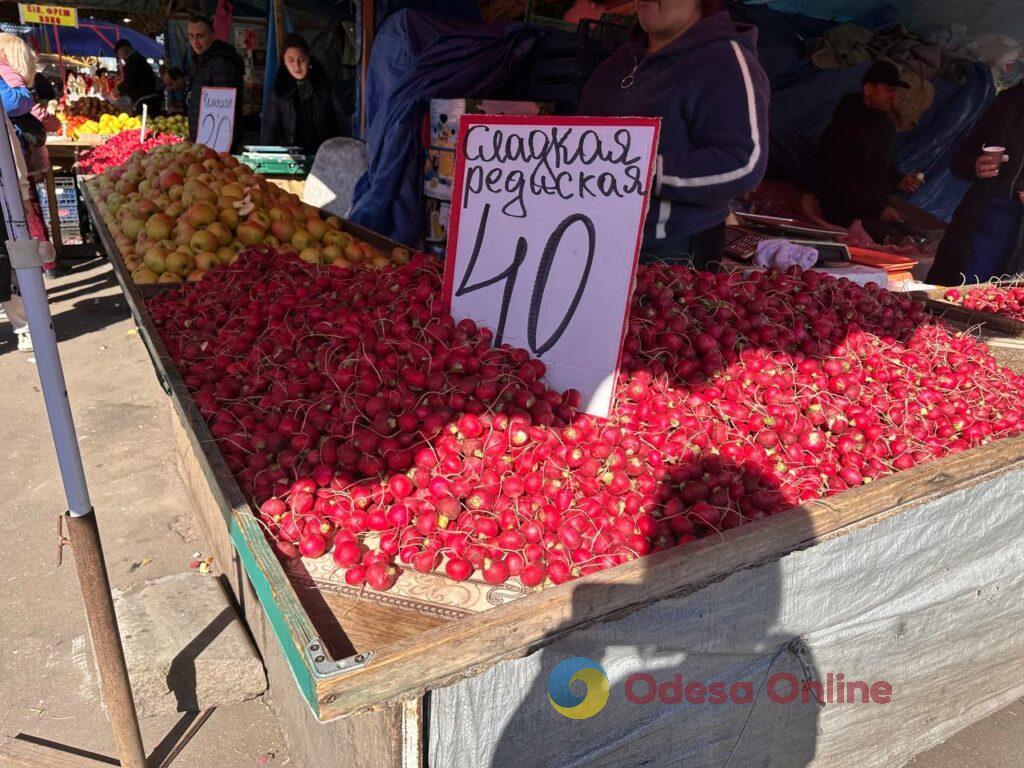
<point x="118" y="149"/>
<point x="363" y="420"/>
<point x="1006" y="301"/>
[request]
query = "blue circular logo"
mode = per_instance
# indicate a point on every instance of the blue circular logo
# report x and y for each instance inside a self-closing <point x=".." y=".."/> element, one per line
<point x="569" y="703"/>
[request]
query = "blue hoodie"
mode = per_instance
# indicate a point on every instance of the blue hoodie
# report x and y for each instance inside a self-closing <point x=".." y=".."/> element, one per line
<point x="712" y="96"/>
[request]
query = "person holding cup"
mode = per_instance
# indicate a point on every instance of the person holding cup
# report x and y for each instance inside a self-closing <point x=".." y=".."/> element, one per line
<point x="986" y="237"/>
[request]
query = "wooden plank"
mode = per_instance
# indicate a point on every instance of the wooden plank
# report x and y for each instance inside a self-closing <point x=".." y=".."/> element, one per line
<point x="20" y="753"/>
<point x="446" y="654"/>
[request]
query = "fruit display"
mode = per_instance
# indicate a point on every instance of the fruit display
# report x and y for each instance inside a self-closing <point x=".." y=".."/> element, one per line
<point x="89" y="107"/>
<point x="367" y="425"/>
<point x="107" y="125"/>
<point x="179" y="210"/>
<point x="1007" y="301"/>
<point x="175" y="125"/>
<point x="119" y="149"/>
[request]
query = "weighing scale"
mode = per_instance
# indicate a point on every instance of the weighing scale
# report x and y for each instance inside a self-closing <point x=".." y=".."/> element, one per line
<point x="276" y="161"/>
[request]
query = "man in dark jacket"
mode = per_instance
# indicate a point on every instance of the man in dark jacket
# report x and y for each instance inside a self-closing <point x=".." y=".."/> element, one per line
<point x="216" y="65"/>
<point x="857" y="171"/>
<point x="138" y="81"/>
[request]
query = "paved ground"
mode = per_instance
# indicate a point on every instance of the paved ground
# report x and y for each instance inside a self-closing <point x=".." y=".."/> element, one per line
<point x="48" y="686"/>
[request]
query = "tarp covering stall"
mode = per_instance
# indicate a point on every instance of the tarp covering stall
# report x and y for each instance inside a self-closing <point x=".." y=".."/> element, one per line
<point x="418" y="56"/>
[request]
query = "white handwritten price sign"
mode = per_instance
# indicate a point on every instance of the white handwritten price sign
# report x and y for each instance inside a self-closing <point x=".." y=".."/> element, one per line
<point x="216" y="118"/>
<point x="546" y="225"/>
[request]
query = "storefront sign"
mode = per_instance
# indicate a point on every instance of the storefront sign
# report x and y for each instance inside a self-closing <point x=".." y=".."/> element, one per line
<point x="216" y="118"/>
<point x="546" y="226"/>
<point x="31" y="13"/>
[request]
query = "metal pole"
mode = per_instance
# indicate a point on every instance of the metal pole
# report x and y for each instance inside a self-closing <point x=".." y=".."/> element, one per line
<point x="85" y="541"/>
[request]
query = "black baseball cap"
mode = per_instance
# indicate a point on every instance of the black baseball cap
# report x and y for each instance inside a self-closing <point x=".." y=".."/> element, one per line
<point x="122" y="43"/>
<point x="884" y="73"/>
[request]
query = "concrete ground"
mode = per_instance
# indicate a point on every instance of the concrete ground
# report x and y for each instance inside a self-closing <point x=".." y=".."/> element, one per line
<point x="48" y="685"/>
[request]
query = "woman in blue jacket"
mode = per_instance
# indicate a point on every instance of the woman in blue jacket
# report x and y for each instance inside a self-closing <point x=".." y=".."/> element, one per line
<point x="690" y="64"/>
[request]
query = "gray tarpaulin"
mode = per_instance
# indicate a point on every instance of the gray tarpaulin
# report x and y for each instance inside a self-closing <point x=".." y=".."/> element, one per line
<point x="930" y="601"/>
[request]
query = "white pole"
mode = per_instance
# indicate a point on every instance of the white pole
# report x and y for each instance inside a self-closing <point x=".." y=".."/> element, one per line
<point x="82" y="527"/>
<point x="24" y="254"/>
<point x="142" y="131"/>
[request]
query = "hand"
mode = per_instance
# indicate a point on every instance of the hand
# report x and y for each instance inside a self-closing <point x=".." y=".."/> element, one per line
<point x="987" y="166"/>
<point x="890" y="216"/>
<point x="911" y="183"/>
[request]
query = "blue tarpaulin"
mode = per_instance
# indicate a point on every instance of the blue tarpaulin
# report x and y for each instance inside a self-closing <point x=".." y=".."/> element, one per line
<point x="418" y="56"/>
<point x="94" y="37"/>
<point x="804" y="98"/>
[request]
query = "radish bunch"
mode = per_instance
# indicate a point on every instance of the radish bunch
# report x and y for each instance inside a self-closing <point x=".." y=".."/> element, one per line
<point x="365" y="422"/>
<point x="118" y="149"/>
<point x="1008" y="301"/>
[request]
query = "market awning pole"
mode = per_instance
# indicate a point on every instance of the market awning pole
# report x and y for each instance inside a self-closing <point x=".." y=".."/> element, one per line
<point x="368" y="30"/>
<point x="81" y="519"/>
<point x="60" y="54"/>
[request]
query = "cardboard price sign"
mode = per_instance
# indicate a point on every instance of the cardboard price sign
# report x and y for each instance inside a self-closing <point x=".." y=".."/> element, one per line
<point x="217" y="118"/>
<point x="33" y="13"/>
<point x="546" y="224"/>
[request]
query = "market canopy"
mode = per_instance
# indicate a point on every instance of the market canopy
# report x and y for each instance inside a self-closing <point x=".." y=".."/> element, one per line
<point x="93" y="37"/>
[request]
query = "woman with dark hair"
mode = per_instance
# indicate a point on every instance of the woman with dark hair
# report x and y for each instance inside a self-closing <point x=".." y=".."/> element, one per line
<point x="304" y="109"/>
<point x="690" y="64"/>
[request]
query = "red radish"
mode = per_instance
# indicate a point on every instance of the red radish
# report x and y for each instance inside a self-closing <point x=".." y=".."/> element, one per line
<point x="346" y="553"/>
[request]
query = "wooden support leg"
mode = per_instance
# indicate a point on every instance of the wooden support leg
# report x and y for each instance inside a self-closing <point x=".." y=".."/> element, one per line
<point x="106" y="641"/>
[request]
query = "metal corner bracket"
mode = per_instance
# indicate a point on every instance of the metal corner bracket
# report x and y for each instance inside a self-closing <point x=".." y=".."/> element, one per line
<point x="325" y="667"/>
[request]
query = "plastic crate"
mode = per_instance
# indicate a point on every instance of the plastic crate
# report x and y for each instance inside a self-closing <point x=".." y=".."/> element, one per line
<point x="67" y="208"/>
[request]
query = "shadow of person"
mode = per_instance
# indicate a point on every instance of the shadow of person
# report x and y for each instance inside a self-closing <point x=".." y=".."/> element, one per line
<point x="713" y="677"/>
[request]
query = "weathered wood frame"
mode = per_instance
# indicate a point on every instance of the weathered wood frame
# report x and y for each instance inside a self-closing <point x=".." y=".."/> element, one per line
<point x="404" y="670"/>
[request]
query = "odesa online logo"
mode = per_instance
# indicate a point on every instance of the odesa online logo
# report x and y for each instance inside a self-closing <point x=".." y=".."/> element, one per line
<point x="571" y="704"/>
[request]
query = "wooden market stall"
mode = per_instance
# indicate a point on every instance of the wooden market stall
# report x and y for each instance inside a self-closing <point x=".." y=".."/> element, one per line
<point x="383" y="679"/>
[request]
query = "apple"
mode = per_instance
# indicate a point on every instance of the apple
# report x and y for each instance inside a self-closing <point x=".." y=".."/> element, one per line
<point x="201" y="213"/>
<point x="316" y="228"/>
<point x="271" y="240"/>
<point x="334" y="237"/>
<point x="169" y="179"/>
<point x="229" y="218"/>
<point x="155" y="259"/>
<point x="225" y="254"/>
<point x="354" y="253"/>
<point x="159" y="226"/>
<point x="260" y="217"/>
<point x="131" y="227"/>
<point x="282" y="230"/>
<point x="312" y="255"/>
<point x="203" y="240"/>
<point x="278" y="213"/>
<point x="180" y="263"/>
<point x="206" y="260"/>
<point x="332" y="253"/>
<point x="333" y="222"/>
<point x="175" y="209"/>
<point x="250" y="233"/>
<point x="221" y="232"/>
<point x="302" y="239"/>
<point x="196" y="275"/>
<point x="144" y="276"/>
<point x="169" y="277"/>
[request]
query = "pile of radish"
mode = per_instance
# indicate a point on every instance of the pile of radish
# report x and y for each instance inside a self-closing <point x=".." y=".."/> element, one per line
<point x="118" y="150"/>
<point x="998" y="300"/>
<point x="365" y="422"/>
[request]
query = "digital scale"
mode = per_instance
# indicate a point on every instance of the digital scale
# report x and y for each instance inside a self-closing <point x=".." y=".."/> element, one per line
<point x="741" y="242"/>
<point x="276" y="161"/>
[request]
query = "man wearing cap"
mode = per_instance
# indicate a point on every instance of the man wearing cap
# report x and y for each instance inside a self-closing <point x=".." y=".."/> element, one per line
<point x="138" y="81"/>
<point x="857" y="171"/>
